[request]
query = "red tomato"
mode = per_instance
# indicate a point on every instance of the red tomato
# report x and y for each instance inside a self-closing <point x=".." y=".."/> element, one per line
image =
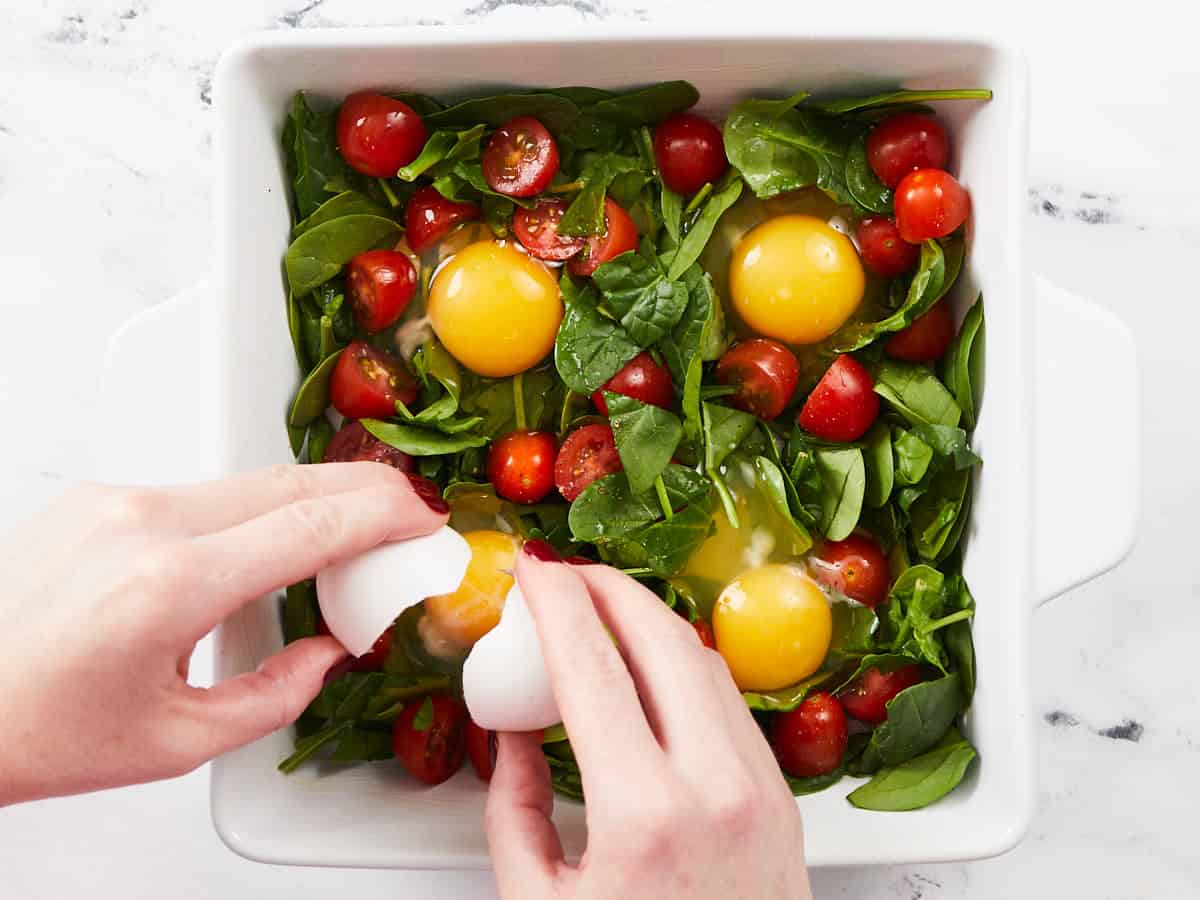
<point x="811" y="739"/>
<point x="858" y="568"/>
<point x="705" y="633"/>
<point x="366" y="383"/>
<point x="537" y="230"/>
<point x="843" y="404"/>
<point x="481" y="750"/>
<point x="642" y="379"/>
<point x="929" y="204"/>
<point x="620" y="237"/>
<point x="429" y="217"/>
<point x="867" y="698"/>
<point x="353" y="443"/>
<point x="373" y="659"/>
<point x="690" y="152"/>
<point x="926" y="339"/>
<point x="521" y="158"/>
<point x="883" y="251"/>
<point x="765" y="374"/>
<point x="520" y="465"/>
<point x="909" y="141"/>
<point x="377" y="134"/>
<point x="381" y="283"/>
<point x="435" y="753"/>
<point x="588" y="453"/>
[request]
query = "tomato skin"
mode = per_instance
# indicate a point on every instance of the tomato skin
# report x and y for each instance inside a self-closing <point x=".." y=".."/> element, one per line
<point x="690" y="152"/>
<point x="353" y="443"/>
<point x="902" y="143"/>
<point x="642" y="379"/>
<point x="429" y="217"/>
<point x="481" y="750"/>
<point x="366" y="383"/>
<point x="377" y="134"/>
<point x="436" y="753"/>
<point x="520" y="465"/>
<point x="588" y="453"/>
<point x="765" y="374"/>
<point x="930" y="204"/>
<point x="811" y="739"/>
<point x="537" y="230"/>
<point x="381" y="284"/>
<point x="926" y="339"/>
<point x="858" y="567"/>
<point x="620" y="237"/>
<point x="521" y="158"/>
<point x="843" y="404"/>
<point x="866" y="699"/>
<point x="884" y="253"/>
<point x="705" y="633"/>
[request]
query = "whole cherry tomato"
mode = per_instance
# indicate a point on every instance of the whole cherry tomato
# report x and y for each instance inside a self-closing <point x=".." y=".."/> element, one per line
<point x="930" y="204"/>
<point x="366" y="383"/>
<point x="620" y="236"/>
<point x="537" y="230"/>
<point x="377" y="134"/>
<point x="642" y="379"/>
<point x="866" y="698"/>
<point x="765" y="374"/>
<point x="430" y="738"/>
<point x="843" y="404"/>
<point x="521" y="158"/>
<point x="926" y="339"/>
<point x="811" y="739"/>
<point x="690" y="152"/>
<point x="588" y="453"/>
<point x="353" y="443"/>
<point x="381" y="284"/>
<point x="900" y="144"/>
<point x="858" y="567"/>
<point x="429" y="217"/>
<point x="520" y="465"/>
<point x="883" y="251"/>
<point x="481" y="750"/>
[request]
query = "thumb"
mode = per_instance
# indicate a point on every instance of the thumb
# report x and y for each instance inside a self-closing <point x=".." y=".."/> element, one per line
<point x="526" y="850"/>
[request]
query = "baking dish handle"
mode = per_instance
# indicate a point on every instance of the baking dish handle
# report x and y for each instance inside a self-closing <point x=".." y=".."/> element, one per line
<point x="157" y="421"/>
<point x="1085" y="499"/>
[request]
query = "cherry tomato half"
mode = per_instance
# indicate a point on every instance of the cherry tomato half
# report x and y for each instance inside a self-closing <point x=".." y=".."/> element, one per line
<point x="434" y="753"/>
<point x="381" y="284"/>
<point x="521" y="158"/>
<point x="900" y="144"/>
<point x="857" y="567"/>
<point x="481" y="750"/>
<point x="705" y="633"/>
<point x="429" y="217"/>
<point x="843" y="404"/>
<point x="619" y="237"/>
<point x="642" y="379"/>
<point x="373" y="659"/>
<point x="929" y="204"/>
<point x="765" y="374"/>
<point x="520" y="465"/>
<point x="866" y="699"/>
<point x="811" y="739"/>
<point x="883" y="251"/>
<point x="378" y="134"/>
<point x="690" y="152"/>
<point x="926" y="339"/>
<point x="588" y="453"/>
<point x="537" y="230"/>
<point x="353" y="443"/>
<point x="366" y="383"/>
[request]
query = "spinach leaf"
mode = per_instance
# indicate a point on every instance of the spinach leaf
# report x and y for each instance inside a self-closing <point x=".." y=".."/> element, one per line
<point x="463" y="181"/>
<point x="964" y="362"/>
<point x="590" y="348"/>
<point x="724" y="430"/>
<point x="915" y="392"/>
<point x="320" y="253"/>
<point x="347" y="203"/>
<point x="774" y="484"/>
<point x="844" y="484"/>
<point x="949" y="443"/>
<point x="308" y="747"/>
<point x="434" y="361"/>
<point x="920" y="781"/>
<point x="700" y="233"/>
<point x="417" y="441"/>
<point x="671" y="206"/>
<point x="884" y="662"/>
<point x="296" y="324"/>
<point x="320" y="433"/>
<point x="442" y="146"/>
<point x="957" y="636"/>
<point x="664" y="547"/>
<point x="637" y="290"/>
<point x="607" y="508"/>
<point x="913" y="457"/>
<point x="801" y="787"/>
<point x="585" y="215"/>
<point x="498" y="214"/>
<point x="554" y="111"/>
<point x="313" y="397"/>
<point x="917" y="719"/>
<point x="846" y="105"/>
<point x="864" y="186"/>
<point x="646" y="438"/>
<point x="913" y="614"/>
<point x="311" y="154"/>
<point x="880" y="465"/>
<point x="494" y="401"/>
<point x="647" y="105"/>
<point x="684" y="353"/>
<point x="363" y="745"/>
<point x="936" y="514"/>
<point x="300" y="611"/>
<point x="581" y="96"/>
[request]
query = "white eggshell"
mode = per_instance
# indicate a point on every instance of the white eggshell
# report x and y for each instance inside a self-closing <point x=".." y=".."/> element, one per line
<point x="361" y="597"/>
<point x="504" y="678"/>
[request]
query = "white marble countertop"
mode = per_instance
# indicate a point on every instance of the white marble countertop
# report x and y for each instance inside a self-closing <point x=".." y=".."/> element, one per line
<point x="105" y="150"/>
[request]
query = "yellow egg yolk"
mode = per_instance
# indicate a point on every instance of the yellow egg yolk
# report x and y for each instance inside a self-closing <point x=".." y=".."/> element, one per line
<point x="495" y="309"/>
<point x="474" y="608"/>
<point x="795" y="278"/>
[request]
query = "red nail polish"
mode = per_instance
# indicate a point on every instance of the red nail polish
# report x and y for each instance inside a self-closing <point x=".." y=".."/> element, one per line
<point x="542" y="551"/>
<point x="581" y="561"/>
<point x="428" y="491"/>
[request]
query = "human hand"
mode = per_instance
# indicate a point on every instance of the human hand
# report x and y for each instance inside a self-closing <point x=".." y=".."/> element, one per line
<point x="684" y="797"/>
<point x="108" y="591"/>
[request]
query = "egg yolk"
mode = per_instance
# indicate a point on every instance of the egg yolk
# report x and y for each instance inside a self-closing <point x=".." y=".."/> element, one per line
<point x="796" y="279"/>
<point x="773" y="626"/>
<point x="474" y="608"/>
<point x="495" y="309"/>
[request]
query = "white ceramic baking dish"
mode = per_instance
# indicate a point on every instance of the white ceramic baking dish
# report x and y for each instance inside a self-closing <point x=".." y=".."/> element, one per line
<point x="1034" y="493"/>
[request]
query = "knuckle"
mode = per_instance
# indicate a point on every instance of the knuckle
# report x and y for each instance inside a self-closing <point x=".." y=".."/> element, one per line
<point x="655" y="826"/>
<point x="129" y="509"/>
<point x="156" y="569"/>
<point x="734" y="808"/>
<point x="293" y="482"/>
<point x="317" y="520"/>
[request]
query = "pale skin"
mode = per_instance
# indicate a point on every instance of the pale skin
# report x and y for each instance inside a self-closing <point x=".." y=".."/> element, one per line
<point x="684" y="796"/>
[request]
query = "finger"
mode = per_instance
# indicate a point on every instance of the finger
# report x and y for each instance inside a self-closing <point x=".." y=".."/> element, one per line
<point x="247" y="707"/>
<point x="525" y="846"/>
<point x="595" y="694"/>
<point x="224" y="571"/>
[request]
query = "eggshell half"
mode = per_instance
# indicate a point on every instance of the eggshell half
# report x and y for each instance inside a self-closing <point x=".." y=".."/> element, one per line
<point x="361" y="597"/>
<point x="504" y="679"/>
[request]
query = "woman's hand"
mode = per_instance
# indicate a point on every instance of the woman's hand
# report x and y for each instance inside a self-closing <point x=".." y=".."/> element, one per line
<point x="684" y="798"/>
<point x="107" y="593"/>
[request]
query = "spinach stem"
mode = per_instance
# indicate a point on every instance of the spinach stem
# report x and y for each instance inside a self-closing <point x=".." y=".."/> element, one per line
<point x="568" y="408"/>
<point x="712" y="391"/>
<point x="726" y="497"/>
<point x="959" y="616"/>
<point x="566" y="188"/>
<point x="310" y="745"/>
<point x="519" y="399"/>
<point x="389" y="193"/>
<point x="660" y="487"/>
<point x="701" y="196"/>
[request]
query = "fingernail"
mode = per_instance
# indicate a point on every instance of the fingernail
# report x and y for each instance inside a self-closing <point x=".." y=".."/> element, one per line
<point x="581" y="561"/>
<point x="542" y="551"/>
<point x="428" y="491"/>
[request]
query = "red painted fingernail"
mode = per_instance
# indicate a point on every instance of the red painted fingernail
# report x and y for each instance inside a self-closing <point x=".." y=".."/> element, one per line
<point x="542" y="551"/>
<point x="428" y="491"/>
<point x="581" y="561"/>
